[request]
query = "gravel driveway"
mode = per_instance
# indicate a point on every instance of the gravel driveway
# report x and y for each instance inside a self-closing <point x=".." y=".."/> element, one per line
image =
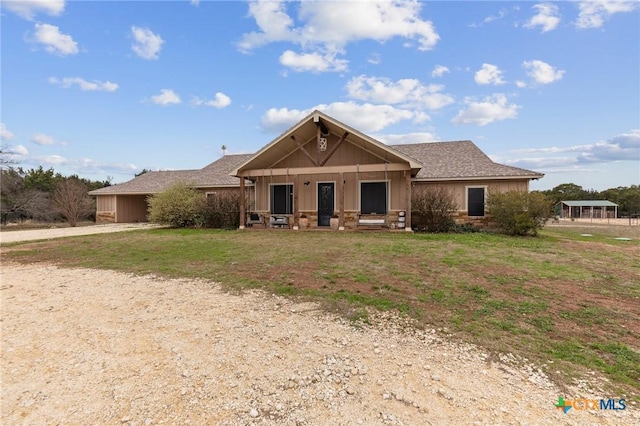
<point x="83" y="346"/>
<point x="49" y="233"/>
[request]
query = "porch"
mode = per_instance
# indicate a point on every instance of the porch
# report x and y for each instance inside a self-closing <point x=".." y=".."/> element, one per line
<point x="373" y="196"/>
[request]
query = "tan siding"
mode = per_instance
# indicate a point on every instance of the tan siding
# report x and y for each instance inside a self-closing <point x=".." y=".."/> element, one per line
<point x="347" y="154"/>
<point x="131" y="208"/>
<point x="105" y="208"/>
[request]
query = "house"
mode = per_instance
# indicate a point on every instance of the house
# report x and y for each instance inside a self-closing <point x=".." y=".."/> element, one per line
<point x="590" y="209"/>
<point x="321" y="168"/>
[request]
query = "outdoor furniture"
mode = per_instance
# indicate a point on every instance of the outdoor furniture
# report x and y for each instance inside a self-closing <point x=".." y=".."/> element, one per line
<point x="254" y="219"/>
<point x="279" y="221"/>
<point x="372" y="221"/>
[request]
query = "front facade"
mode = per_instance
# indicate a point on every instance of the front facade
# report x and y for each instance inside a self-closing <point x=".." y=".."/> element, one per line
<point x="329" y="174"/>
<point x="321" y="169"/>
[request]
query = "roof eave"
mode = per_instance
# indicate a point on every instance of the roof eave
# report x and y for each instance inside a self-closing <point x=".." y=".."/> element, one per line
<point x="463" y="178"/>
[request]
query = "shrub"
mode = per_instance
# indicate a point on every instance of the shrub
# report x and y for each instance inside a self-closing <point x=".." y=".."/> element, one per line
<point x="432" y="208"/>
<point x="221" y="210"/>
<point x="178" y="206"/>
<point x="519" y="212"/>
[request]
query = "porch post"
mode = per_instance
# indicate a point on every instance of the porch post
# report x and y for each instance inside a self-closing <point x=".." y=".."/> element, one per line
<point x="341" y="202"/>
<point x="407" y="223"/>
<point x="296" y="192"/>
<point x="242" y="203"/>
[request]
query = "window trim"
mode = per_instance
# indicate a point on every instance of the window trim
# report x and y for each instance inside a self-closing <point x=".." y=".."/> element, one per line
<point x="466" y="198"/>
<point x="388" y="192"/>
<point x="335" y="193"/>
<point x="271" y="185"/>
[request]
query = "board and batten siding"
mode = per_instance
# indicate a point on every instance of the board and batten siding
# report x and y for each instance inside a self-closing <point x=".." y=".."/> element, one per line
<point x="459" y="189"/>
<point x="131" y="208"/>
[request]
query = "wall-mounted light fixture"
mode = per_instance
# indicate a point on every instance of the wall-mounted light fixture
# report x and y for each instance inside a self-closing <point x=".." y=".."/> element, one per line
<point x="307" y="183"/>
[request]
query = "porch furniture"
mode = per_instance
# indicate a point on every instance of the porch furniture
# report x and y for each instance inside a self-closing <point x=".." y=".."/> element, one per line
<point x="279" y="221"/>
<point x="372" y="221"/>
<point x="255" y="219"/>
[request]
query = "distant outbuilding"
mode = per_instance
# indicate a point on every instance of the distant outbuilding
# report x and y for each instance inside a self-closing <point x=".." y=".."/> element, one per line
<point x="587" y="209"/>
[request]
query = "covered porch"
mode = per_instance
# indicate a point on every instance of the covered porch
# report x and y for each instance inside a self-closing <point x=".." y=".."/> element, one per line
<point x="321" y="171"/>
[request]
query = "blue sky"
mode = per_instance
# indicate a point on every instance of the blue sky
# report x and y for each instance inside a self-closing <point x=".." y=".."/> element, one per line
<point x="107" y="88"/>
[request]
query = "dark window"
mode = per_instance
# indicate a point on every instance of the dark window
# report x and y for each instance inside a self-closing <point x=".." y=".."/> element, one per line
<point x="373" y="197"/>
<point x="475" y="202"/>
<point x="281" y="199"/>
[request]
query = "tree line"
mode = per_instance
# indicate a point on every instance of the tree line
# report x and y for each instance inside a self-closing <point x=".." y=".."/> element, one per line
<point x="47" y="196"/>
<point x="626" y="197"/>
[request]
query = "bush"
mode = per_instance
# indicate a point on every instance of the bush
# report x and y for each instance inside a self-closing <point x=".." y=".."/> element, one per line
<point x="519" y="212"/>
<point x="221" y="210"/>
<point x="432" y="208"/>
<point x="178" y="206"/>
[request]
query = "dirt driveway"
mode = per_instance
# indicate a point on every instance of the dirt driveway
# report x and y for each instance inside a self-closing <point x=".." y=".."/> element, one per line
<point x="83" y="346"/>
<point x="49" y="233"/>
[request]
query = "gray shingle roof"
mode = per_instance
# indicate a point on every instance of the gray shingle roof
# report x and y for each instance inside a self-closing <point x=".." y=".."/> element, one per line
<point x="458" y="160"/>
<point x="441" y="160"/>
<point x="213" y="175"/>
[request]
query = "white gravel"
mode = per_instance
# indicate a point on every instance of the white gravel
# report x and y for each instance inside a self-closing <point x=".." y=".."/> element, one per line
<point x="83" y="346"/>
<point x="50" y="233"/>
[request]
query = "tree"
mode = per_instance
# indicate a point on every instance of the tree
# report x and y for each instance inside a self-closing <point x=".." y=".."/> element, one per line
<point x="71" y="200"/>
<point x="565" y="192"/>
<point x="519" y="212"/>
<point x="41" y="179"/>
<point x="6" y="159"/>
<point x="23" y="202"/>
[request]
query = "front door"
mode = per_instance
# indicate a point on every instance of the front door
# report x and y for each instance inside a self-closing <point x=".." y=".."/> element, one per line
<point x="325" y="202"/>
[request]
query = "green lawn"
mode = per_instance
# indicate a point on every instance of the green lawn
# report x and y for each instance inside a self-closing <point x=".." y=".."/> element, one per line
<point x="564" y="301"/>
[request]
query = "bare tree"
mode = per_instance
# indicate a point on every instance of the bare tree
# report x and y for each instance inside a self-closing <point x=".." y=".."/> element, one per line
<point x="6" y="156"/>
<point x="71" y="200"/>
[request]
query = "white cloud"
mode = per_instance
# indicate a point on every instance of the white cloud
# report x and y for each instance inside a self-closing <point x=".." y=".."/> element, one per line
<point x="374" y="59"/>
<point x="83" y="165"/>
<point x="42" y="139"/>
<point x="547" y="17"/>
<point x="416" y="137"/>
<point x="594" y="13"/>
<point x="490" y="109"/>
<point x="407" y="92"/>
<point x="146" y="44"/>
<point x="439" y="71"/>
<point x="521" y="84"/>
<point x="5" y="134"/>
<point x="20" y="150"/>
<point x="85" y="85"/>
<point x="489" y="74"/>
<point x="325" y="28"/>
<point x="364" y="117"/>
<point x="622" y="147"/>
<point x="28" y="9"/>
<point x="219" y="101"/>
<point x="314" y="62"/>
<point x="501" y="14"/>
<point x="541" y="72"/>
<point x="166" y="97"/>
<point x="54" y="41"/>
<point x="195" y="3"/>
